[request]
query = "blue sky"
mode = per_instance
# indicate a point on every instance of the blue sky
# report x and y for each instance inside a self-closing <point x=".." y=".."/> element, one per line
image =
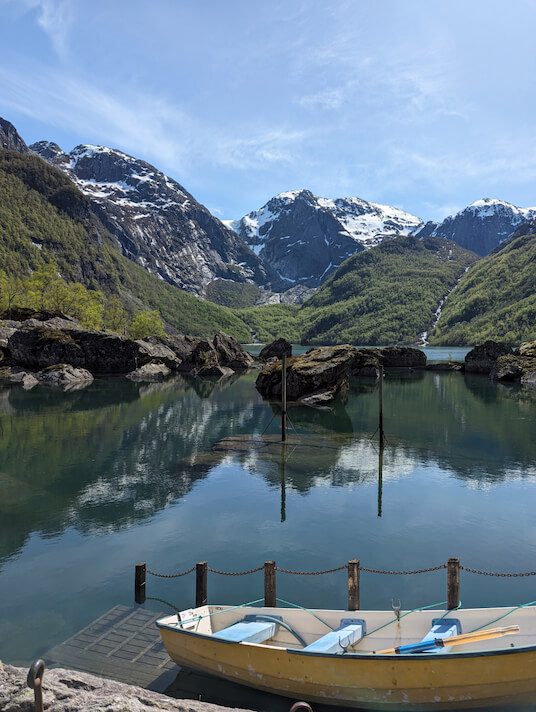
<point x="423" y="104"/>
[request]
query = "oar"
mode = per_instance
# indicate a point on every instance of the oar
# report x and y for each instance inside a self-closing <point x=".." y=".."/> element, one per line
<point x="462" y="639"/>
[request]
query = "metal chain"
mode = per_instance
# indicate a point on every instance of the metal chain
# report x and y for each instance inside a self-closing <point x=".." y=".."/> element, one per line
<point x="498" y="573"/>
<point x="310" y="573"/>
<point x="403" y="573"/>
<point x="235" y="573"/>
<point x="171" y="576"/>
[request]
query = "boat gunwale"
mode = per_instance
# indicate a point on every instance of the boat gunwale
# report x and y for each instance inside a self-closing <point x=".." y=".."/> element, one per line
<point x="361" y="656"/>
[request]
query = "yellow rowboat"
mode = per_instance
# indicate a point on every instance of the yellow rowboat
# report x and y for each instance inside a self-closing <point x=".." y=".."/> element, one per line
<point x="358" y="658"/>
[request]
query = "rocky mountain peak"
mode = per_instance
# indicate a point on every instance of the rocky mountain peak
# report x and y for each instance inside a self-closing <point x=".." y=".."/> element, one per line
<point x="10" y="138"/>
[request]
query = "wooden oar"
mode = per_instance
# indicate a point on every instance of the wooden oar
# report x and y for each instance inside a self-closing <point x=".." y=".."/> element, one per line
<point x="462" y="639"/>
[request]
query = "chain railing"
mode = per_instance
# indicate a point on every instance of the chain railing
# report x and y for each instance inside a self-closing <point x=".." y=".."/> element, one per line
<point x="353" y="568"/>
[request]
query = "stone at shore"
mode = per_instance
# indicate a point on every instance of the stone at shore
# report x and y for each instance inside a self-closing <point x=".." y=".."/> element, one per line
<point x="529" y="379"/>
<point x="445" y="366"/>
<point x="277" y="349"/>
<point x="528" y="348"/>
<point x="366" y="364"/>
<point x="65" y="376"/>
<point x="160" y="353"/>
<point x="482" y="358"/>
<point x="402" y="357"/>
<point x="320" y="375"/>
<point x="150" y="372"/>
<point x="230" y="353"/>
<point x="71" y="691"/>
<point x="13" y="375"/>
<point x="513" y="367"/>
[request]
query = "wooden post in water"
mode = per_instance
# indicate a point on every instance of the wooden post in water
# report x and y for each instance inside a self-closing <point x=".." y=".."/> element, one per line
<point x="283" y="475"/>
<point x="140" y="579"/>
<point x="201" y="575"/>
<point x="284" y="399"/>
<point x="380" y="411"/>
<point x="380" y="481"/>
<point x="353" y="585"/>
<point x="269" y="584"/>
<point x="453" y="583"/>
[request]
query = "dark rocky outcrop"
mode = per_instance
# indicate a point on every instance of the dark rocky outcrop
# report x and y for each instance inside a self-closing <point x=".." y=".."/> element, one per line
<point x="482" y="358"/>
<point x="14" y="375"/>
<point x="150" y="372"/>
<point x="366" y="364"/>
<point x="277" y="349"/>
<point x="402" y="357"/>
<point x="230" y="353"/>
<point x="316" y="377"/>
<point x="10" y="138"/>
<point x="445" y="366"/>
<point x="513" y="367"/>
<point x="528" y="349"/>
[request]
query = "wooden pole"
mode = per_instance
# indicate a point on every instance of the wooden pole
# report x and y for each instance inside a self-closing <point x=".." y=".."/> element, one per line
<point x="453" y="583"/>
<point x="284" y="399"/>
<point x="283" y="482"/>
<point x="269" y="584"/>
<point x="140" y="580"/>
<point x="201" y="574"/>
<point x="353" y="585"/>
<point x="380" y="481"/>
<point x="380" y="413"/>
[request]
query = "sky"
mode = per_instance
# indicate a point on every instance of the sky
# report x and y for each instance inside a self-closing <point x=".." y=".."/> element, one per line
<point x="427" y="105"/>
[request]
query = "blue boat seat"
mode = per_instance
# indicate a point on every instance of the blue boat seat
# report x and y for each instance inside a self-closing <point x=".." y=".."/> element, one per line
<point x="442" y="628"/>
<point x="251" y="629"/>
<point x="350" y="631"/>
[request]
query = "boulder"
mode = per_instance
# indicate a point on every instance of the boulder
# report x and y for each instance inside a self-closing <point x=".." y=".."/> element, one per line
<point x="402" y="357"/>
<point x="277" y="349"/>
<point x="528" y="349"/>
<point x="69" y="691"/>
<point x="445" y="366"/>
<point x="95" y="351"/>
<point x="11" y="375"/>
<point x="230" y="353"/>
<point x="65" y="376"/>
<point x="529" y="379"/>
<point x="5" y="333"/>
<point x="160" y="353"/>
<point x="322" y="372"/>
<point x="150" y="372"/>
<point x="512" y="367"/>
<point x="482" y="358"/>
<point x="366" y="364"/>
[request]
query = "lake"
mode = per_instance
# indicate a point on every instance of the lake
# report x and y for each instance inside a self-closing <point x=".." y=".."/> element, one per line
<point x="95" y="480"/>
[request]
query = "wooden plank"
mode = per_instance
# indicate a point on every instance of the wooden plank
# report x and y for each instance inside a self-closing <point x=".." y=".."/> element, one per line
<point x="123" y="644"/>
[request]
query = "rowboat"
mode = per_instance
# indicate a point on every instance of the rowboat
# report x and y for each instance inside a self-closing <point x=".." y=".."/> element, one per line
<point x="364" y="659"/>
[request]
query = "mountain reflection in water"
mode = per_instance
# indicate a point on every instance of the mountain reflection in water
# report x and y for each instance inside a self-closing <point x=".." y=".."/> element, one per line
<point x="94" y="480"/>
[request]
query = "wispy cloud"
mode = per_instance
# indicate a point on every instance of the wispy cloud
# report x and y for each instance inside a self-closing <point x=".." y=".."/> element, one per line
<point x="54" y="17"/>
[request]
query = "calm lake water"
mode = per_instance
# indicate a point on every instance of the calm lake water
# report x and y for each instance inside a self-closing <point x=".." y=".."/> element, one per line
<point x="93" y="481"/>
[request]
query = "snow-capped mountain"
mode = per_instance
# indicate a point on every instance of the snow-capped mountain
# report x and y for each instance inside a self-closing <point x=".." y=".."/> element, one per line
<point x="481" y="226"/>
<point x="156" y="221"/>
<point x="305" y="237"/>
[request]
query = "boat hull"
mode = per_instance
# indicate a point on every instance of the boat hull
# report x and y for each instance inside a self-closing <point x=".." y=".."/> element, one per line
<point x="383" y="682"/>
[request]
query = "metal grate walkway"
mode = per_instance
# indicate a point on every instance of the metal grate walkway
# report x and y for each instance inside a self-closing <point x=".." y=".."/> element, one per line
<point x="123" y="644"/>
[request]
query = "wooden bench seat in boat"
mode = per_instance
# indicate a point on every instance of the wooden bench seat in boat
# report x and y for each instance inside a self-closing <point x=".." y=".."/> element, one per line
<point x="441" y="628"/>
<point x="350" y="631"/>
<point x="251" y="629"/>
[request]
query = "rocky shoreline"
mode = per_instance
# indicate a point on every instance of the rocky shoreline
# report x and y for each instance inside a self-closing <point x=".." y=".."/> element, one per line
<point x="68" y="690"/>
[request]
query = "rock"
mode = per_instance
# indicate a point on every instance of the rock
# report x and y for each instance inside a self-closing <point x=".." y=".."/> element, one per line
<point x="402" y="357"/>
<point x="322" y="372"/>
<point x="150" y="372"/>
<point x="529" y="379"/>
<point x="71" y="691"/>
<point x="5" y="333"/>
<point x="277" y="349"/>
<point x="445" y="366"/>
<point x="160" y="353"/>
<point x="214" y="371"/>
<point x="65" y="376"/>
<point x="482" y="358"/>
<point x="230" y="353"/>
<point x="95" y="351"/>
<point x="366" y="364"/>
<point x="17" y="375"/>
<point x="23" y="314"/>
<point x="512" y="367"/>
<point x="528" y="349"/>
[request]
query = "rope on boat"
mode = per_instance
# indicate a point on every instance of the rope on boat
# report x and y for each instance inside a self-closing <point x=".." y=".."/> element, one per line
<point x="196" y="619"/>
<point x="504" y="615"/>
<point x="407" y="613"/>
<point x="307" y="610"/>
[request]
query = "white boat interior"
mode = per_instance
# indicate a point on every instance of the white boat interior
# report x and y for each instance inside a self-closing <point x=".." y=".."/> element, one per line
<point x="335" y="632"/>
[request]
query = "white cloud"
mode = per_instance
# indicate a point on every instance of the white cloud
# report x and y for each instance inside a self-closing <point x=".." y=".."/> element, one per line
<point x="54" y="17"/>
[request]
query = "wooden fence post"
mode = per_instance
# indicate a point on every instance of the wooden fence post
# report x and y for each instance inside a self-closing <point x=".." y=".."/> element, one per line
<point x="353" y="585"/>
<point x="269" y="584"/>
<point x="201" y="573"/>
<point x="140" y="580"/>
<point x="453" y="583"/>
<point x="380" y="411"/>
<point x="284" y="399"/>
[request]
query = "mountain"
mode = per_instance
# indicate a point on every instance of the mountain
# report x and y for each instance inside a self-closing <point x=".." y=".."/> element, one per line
<point x="158" y="224"/>
<point x="45" y="217"/>
<point x="10" y="139"/>
<point x="386" y="295"/>
<point x="496" y="298"/>
<point x="481" y="226"/>
<point x="304" y="238"/>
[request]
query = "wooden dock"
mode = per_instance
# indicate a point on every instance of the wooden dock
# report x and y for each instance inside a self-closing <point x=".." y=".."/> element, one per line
<point x="124" y="645"/>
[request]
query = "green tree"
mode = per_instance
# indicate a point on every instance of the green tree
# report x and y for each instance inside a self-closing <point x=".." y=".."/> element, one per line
<point x="11" y="289"/>
<point x="116" y="317"/>
<point x="146" y="323"/>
